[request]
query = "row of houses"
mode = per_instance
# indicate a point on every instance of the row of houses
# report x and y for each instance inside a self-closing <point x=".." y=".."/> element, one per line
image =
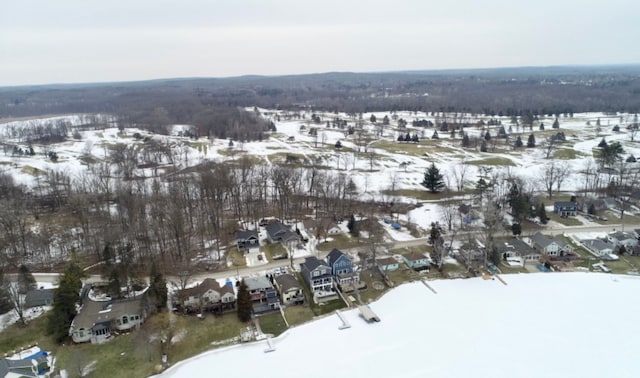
<point x="98" y="321"/>
<point x="276" y="232"/>
<point x="518" y="251"/>
<point x="539" y="245"/>
<point x="614" y="242"/>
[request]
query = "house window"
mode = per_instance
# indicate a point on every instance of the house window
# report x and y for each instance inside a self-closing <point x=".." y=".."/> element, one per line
<point x="125" y="320"/>
<point x="316" y="273"/>
<point x="81" y="333"/>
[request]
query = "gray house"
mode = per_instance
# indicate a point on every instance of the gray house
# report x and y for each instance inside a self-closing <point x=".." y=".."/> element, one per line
<point x="278" y="232"/>
<point x="290" y="289"/>
<point x="26" y="367"/>
<point x="515" y="250"/>
<point x="317" y="274"/>
<point x="39" y="297"/>
<point x="247" y="239"/>
<point x="620" y="238"/>
<point x="263" y="294"/>
<point x="550" y="246"/>
<point x="599" y="247"/>
<point x="96" y="321"/>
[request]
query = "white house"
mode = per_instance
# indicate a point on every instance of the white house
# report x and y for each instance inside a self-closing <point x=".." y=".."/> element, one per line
<point x="619" y="238"/>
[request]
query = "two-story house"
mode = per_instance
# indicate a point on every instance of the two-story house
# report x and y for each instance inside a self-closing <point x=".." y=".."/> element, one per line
<point x="342" y="268"/>
<point x="317" y="275"/>
<point x="565" y="208"/>
<point x="515" y="251"/>
<point x="290" y="289"/>
<point x="209" y="295"/>
<point x="263" y="294"/>
<point x="550" y="246"/>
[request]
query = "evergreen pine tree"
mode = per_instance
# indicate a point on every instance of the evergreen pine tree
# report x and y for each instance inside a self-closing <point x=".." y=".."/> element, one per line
<point x="114" y="287"/>
<point x="556" y="124"/>
<point x="353" y="226"/>
<point x="433" y="179"/>
<point x="518" y="142"/>
<point x="157" y="288"/>
<point x="244" y="303"/>
<point x="66" y="296"/>
<point x="531" y="142"/>
<point x="542" y="213"/>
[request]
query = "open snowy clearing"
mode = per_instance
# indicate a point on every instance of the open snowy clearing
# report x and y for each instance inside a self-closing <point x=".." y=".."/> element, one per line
<point x="551" y="325"/>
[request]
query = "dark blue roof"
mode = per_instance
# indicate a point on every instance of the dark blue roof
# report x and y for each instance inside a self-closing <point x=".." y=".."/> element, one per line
<point x="334" y="255"/>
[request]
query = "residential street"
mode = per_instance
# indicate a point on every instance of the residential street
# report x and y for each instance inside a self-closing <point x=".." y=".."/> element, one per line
<point x="247" y="271"/>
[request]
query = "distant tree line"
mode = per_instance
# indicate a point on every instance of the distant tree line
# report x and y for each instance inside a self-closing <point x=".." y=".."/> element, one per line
<point x="210" y="103"/>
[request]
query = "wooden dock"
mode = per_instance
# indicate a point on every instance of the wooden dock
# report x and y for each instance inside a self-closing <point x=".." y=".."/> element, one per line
<point x="345" y="323"/>
<point x="270" y="347"/>
<point x="429" y="286"/>
<point x="368" y="314"/>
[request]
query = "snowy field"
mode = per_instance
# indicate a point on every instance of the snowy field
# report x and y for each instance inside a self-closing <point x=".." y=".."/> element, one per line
<point x="539" y="325"/>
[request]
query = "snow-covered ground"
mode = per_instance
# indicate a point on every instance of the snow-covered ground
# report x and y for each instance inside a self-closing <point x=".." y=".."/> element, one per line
<point x="539" y="325"/>
<point x="11" y="317"/>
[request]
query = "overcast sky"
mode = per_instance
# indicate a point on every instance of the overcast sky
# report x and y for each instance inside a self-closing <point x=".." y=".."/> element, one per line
<point x="70" y="41"/>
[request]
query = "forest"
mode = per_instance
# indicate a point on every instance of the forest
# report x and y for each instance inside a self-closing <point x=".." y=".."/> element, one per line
<point x="210" y="103"/>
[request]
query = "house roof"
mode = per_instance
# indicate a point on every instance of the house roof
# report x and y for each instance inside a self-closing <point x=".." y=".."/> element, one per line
<point x="541" y="240"/>
<point x="414" y="256"/>
<point x="334" y="255"/>
<point x="565" y="204"/>
<point x="93" y="312"/>
<point x="38" y="297"/>
<point x="257" y="283"/>
<point x="203" y="287"/>
<point x="517" y="245"/>
<point x="22" y="367"/>
<point x="276" y="228"/>
<point x="387" y="261"/>
<point x="246" y="234"/>
<point x="286" y="282"/>
<point x="621" y="235"/>
<point x="598" y="244"/>
<point x="279" y="231"/>
<point x="312" y="263"/>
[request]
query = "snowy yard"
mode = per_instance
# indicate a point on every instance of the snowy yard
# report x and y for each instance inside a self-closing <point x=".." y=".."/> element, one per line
<point x="551" y="325"/>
